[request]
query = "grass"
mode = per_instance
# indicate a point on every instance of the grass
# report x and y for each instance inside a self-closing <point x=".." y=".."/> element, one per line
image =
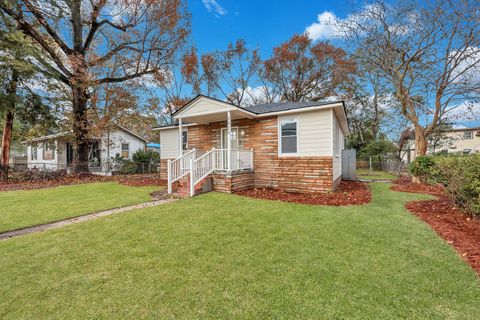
<point x="219" y="256"/>
<point x="374" y="175"/>
<point x="26" y="208"/>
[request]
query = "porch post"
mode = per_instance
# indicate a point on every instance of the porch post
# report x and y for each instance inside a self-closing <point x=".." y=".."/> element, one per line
<point x="229" y="141"/>
<point x="180" y="137"/>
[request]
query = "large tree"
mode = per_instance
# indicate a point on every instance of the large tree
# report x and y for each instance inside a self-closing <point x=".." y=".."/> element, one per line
<point x="17" y="74"/>
<point x="301" y="70"/>
<point x="94" y="42"/>
<point x="428" y="51"/>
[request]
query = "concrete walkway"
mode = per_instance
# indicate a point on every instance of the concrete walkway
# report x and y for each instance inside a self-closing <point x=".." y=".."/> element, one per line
<point x="57" y="224"/>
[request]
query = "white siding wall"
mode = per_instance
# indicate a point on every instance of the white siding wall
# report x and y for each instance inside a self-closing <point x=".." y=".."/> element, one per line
<point x="111" y="144"/>
<point x="314" y="131"/>
<point x="337" y="154"/>
<point x="169" y="143"/>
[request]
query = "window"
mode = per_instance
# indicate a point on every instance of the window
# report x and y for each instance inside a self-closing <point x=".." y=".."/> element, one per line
<point x="125" y="150"/>
<point x="34" y="151"/>
<point x="184" y="139"/>
<point x="467" y="135"/>
<point x="288" y="136"/>
<point x="48" y="150"/>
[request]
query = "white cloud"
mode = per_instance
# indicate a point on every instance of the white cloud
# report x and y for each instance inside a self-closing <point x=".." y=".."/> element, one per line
<point x="258" y="95"/>
<point x="328" y="26"/>
<point x="325" y="28"/>
<point x="214" y="6"/>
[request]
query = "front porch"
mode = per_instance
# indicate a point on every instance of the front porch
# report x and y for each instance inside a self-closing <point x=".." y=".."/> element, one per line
<point x="213" y="149"/>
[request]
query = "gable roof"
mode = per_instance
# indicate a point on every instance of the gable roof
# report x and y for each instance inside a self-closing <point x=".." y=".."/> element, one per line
<point x="262" y="109"/>
<point x="131" y="133"/>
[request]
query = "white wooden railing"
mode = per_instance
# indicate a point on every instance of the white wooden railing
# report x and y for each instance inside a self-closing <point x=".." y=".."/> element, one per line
<point x="201" y="165"/>
<point x="179" y="167"/>
<point x="239" y="159"/>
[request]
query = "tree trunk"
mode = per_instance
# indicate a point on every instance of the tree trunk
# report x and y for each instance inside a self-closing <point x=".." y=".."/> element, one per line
<point x="6" y="143"/>
<point x="420" y="141"/>
<point x="8" y="127"/>
<point x="80" y="130"/>
<point x="79" y="92"/>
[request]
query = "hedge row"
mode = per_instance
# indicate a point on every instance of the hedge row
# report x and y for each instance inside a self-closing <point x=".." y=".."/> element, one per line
<point x="459" y="174"/>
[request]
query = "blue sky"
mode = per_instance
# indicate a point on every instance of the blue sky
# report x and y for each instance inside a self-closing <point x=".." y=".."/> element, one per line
<point x="262" y="24"/>
<point x="266" y="24"/>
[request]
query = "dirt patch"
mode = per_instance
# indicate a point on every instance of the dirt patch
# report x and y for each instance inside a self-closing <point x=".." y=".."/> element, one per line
<point x="347" y="193"/>
<point x="455" y="226"/>
<point x="72" y="179"/>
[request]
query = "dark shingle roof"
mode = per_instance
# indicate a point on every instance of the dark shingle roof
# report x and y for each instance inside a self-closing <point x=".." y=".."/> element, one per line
<point x="283" y="106"/>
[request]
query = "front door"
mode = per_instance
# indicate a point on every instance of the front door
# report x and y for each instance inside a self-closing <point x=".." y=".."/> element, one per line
<point x="234" y="138"/>
<point x="225" y="146"/>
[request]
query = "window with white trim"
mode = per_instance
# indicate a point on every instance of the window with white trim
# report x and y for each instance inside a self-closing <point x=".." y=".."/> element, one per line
<point x="48" y="150"/>
<point x="34" y="151"/>
<point x="288" y="136"/>
<point x="125" y="150"/>
<point x="184" y="139"/>
<point x="467" y="135"/>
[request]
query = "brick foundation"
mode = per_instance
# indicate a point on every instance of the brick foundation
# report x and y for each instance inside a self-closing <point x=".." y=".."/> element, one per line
<point x="233" y="182"/>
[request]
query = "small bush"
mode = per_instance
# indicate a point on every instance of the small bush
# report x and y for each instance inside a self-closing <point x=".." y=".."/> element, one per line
<point x="462" y="180"/>
<point x="459" y="174"/>
<point x="146" y="156"/>
<point x="426" y="169"/>
<point x="128" y="167"/>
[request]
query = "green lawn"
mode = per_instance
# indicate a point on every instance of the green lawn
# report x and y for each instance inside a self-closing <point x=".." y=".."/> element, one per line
<point x="219" y="256"/>
<point x="26" y="208"/>
<point x="374" y="175"/>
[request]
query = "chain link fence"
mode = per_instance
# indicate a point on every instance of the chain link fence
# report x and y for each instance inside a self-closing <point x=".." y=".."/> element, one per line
<point x="391" y="166"/>
<point x="32" y="170"/>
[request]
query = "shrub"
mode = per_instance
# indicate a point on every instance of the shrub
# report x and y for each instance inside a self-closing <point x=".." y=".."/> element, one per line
<point x="462" y="180"/>
<point x="128" y="167"/>
<point x="146" y="156"/>
<point x="425" y="167"/>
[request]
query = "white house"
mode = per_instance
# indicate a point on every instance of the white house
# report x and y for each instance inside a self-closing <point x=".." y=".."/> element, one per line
<point x="454" y="141"/>
<point x="295" y="146"/>
<point x="55" y="152"/>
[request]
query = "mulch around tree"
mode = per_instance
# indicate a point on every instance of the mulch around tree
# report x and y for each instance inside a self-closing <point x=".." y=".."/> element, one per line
<point x="71" y="179"/>
<point x="455" y="226"/>
<point x="347" y="193"/>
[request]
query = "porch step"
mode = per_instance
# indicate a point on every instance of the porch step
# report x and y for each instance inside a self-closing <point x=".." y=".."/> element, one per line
<point x="182" y="186"/>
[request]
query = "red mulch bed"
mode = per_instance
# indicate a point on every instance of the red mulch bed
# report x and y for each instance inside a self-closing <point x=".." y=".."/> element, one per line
<point x="455" y="226"/>
<point x="405" y="184"/>
<point x="70" y="179"/>
<point x="347" y="193"/>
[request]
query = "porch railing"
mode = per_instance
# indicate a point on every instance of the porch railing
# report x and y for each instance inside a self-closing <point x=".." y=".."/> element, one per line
<point x="179" y="167"/>
<point x="239" y="159"/>
<point x="199" y="165"/>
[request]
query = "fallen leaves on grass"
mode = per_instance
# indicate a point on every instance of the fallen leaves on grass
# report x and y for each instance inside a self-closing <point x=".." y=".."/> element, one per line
<point x="70" y="179"/>
<point x="347" y="193"/>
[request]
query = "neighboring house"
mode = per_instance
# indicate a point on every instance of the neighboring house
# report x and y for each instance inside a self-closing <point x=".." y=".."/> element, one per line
<point x="291" y="146"/>
<point x="454" y="141"/>
<point x="55" y="151"/>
